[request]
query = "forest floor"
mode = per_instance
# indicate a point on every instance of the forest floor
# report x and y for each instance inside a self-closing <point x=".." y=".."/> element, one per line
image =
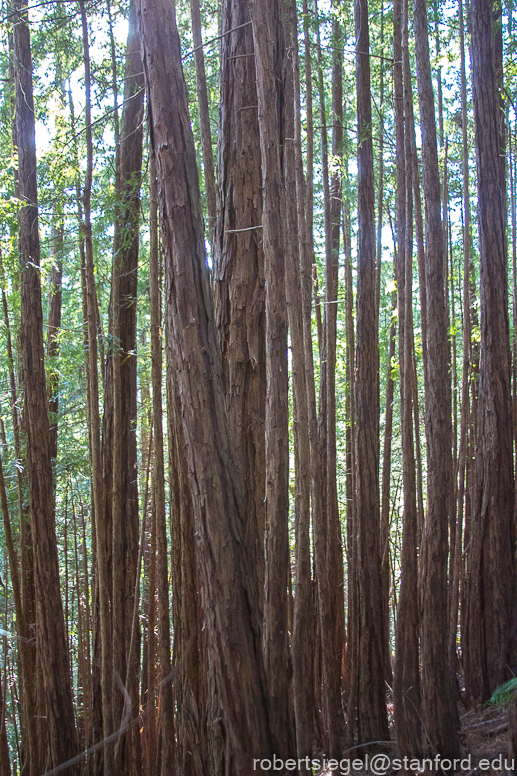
<point x="483" y="742"/>
<point x="486" y="735"/>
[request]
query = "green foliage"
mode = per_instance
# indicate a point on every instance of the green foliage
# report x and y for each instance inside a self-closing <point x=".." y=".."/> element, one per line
<point x="504" y="693"/>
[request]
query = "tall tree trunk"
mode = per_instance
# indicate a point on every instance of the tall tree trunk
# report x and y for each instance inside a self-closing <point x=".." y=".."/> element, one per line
<point x="166" y="724"/>
<point x="204" y="120"/>
<point x="51" y="633"/>
<point x="239" y="285"/>
<point x="54" y="324"/>
<point x="489" y="644"/>
<point x="191" y="753"/>
<point x="100" y="529"/>
<point x="334" y="547"/>
<point x="371" y="645"/>
<point x="326" y="532"/>
<point x="268" y="31"/>
<point x="406" y="688"/>
<point x="302" y="644"/>
<point x="217" y="489"/>
<point x="125" y="479"/>
<point x="438" y="699"/>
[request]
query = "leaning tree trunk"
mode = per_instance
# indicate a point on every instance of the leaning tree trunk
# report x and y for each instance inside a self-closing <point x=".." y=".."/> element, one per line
<point x="438" y="702"/>
<point x="216" y="487"/>
<point x="53" y="655"/>
<point x="489" y="641"/>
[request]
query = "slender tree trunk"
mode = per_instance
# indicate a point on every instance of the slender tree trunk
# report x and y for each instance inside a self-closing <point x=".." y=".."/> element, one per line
<point x="334" y="546"/>
<point x="386" y="483"/>
<point x="489" y="643"/>
<point x="350" y="467"/>
<point x="268" y="31"/>
<point x="204" y="120"/>
<point x="5" y="767"/>
<point x="302" y="654"/>
<point x="370" y="710"/>
<point x="50" y="623"/>
<point x="98" y="523"/>
<point x="166" y="723"/>
<point x="438" y="698"/>
<point x="54" y="325"/>
<point x="124" y="449"/>
<point x="406" y="688"/>
<point x="326" y="532"/>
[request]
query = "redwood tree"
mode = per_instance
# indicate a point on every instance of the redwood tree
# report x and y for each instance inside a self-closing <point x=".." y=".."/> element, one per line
<point x="214" y="481"/>
<point x="370" y="640"/>
<point x="52" y="643"/>
<point x="489" y="640"/>
<point x="438" y="701"/>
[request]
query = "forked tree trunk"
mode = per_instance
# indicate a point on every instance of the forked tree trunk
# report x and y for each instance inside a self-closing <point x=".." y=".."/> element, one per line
<point x="195" y="360"/>
<point x="489" y="642"/>
<point x="53" y="655"/>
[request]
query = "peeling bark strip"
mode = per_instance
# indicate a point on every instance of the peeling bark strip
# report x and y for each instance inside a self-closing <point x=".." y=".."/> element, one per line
<point x="50" y="623"/>
<point x="217" y="491"/>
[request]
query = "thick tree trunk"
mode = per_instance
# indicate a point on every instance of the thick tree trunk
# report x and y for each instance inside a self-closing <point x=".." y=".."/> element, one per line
<point x="239" y="285"/>
<point x="371" y="658"/>
<point x="489" y="642"/>
<point x="192" y="752"/>
<point x="217" y="490"/>
<point x="51" y="633"/>
<point x="438" y="700"/>
<point x="268" y="31"/>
